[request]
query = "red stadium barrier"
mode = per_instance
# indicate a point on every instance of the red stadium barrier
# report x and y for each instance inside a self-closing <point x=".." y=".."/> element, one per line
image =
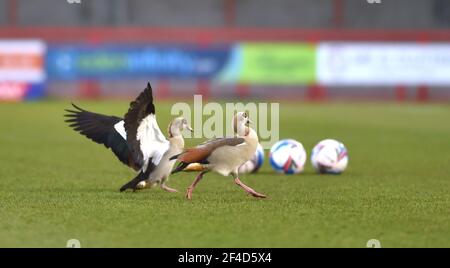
<point x="317" y="93"/>
<point x="400" y="93"/>
<point x="423" y="94"/>
<point x="217" y="35"/>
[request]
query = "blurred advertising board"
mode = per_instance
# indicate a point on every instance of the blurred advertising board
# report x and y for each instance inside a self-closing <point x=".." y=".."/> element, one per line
<point x="22" y="70"/>
<point x="278" y="64"/>
<point x="271" y="64"/>
<point x="383" y="64"/>
<point x="109" y="62"/>
<point x="255" y="63"/>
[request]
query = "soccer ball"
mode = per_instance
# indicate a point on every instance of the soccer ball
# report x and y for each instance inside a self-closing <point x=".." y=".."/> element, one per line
<point x="287" y="156"/>
<point x="329" y="157"/>
<point x="252" y="165"/>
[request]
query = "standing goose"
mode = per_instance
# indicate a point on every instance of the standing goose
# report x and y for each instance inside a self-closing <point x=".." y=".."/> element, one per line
<point x="136" y="140"/>
<point x="223" y="155"/>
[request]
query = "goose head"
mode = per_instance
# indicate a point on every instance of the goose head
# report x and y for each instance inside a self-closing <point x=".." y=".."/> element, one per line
<point x="241" y="123"/>
<point x="177" y="126"/>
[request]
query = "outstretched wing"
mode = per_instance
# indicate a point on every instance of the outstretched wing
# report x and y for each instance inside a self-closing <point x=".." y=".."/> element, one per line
<point x="102" y="129"/>
<point x="145" y="139"/>
<point x="201" y="153"/>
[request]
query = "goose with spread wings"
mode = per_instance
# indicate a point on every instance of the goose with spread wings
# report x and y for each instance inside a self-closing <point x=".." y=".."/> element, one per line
<point x="136" y="139"/>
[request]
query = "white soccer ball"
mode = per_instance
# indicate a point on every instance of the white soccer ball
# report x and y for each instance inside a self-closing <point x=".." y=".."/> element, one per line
<point x="329" y="157"/>
<point x="287" y="156"/>
<point x="252" y="165"/>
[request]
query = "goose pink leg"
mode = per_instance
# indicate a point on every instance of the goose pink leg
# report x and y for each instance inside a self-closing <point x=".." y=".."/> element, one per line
<point x="194" y="183"/>
<point x="168" y="189"/>
<point x="248" y="189"/>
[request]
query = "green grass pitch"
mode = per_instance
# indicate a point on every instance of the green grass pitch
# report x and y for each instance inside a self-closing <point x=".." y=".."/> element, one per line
<point x="56" y="185"/>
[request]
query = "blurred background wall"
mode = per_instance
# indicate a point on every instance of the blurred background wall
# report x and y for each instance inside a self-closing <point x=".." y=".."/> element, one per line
<point x="390" y="14"/>
<point x="305" y="49"/>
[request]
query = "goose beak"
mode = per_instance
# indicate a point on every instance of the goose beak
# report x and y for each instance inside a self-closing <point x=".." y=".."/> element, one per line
<point x="249" y="122"/>
<point x="190" y="129"/>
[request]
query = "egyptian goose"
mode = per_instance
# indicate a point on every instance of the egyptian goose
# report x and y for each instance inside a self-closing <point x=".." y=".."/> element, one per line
<point x="136" y="140"/>
<point x="223" y="155"/>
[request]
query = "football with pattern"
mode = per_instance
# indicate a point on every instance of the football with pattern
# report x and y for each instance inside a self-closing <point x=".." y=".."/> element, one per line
<point x="287" y="156"/>
<point x="329" y="157"/>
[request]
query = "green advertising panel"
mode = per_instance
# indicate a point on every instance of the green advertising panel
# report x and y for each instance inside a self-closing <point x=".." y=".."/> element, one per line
<point x="280" y="64"/>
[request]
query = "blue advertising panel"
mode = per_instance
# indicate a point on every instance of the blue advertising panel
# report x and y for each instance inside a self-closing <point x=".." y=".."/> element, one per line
<point x="71" y="62"/>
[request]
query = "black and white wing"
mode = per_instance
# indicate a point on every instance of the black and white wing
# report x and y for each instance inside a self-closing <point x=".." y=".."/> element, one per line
<point x="102" y="129"/>
<point x="145" y="139"/>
